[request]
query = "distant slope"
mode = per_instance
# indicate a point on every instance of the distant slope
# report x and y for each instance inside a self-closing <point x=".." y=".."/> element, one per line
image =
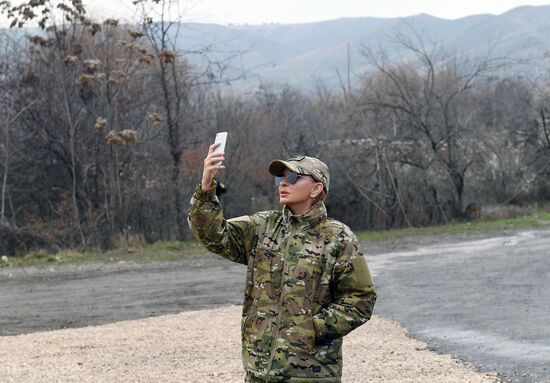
<point x="303" y="53"/>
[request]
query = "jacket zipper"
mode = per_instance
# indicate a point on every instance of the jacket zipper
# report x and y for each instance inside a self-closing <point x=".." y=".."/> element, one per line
<point x="279" y="309"/>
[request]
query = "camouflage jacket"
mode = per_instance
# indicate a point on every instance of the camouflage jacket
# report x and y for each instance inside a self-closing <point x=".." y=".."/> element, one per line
<point x="307" y="286"/>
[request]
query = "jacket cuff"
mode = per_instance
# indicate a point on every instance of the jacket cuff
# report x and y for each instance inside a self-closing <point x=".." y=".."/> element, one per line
<point x="208" y="194"/>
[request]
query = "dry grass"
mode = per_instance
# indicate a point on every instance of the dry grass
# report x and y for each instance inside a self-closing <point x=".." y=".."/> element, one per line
<point x="493" y="213"/>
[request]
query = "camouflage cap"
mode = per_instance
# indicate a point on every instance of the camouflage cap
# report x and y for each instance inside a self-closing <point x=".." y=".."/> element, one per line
<point x="303" y="165"/>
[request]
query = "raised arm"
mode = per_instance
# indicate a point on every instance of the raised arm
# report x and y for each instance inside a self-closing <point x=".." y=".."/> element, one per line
<point x="233" y="238"/>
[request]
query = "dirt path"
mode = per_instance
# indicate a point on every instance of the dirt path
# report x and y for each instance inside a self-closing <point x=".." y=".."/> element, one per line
<point x="204" y="346"/>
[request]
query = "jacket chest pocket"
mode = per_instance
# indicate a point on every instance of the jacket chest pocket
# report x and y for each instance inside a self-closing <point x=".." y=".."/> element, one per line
<point x="304" y="277"/>
<point x="267" y="274"/>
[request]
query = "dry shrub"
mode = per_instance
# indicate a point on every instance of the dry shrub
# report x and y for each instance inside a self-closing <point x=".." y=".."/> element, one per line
<point x="39" y="40"/>
<point x="129" y="136"/>
<point x="94" y="28"/>
<point x="135" y="34"/>
<point x="118" y="77"/>
<point x="28" y="13"/>
<point x="18" y="242"/>
<point x="85" y="79"/>
<point x="168" y="56"/>
<point x="472" y="211"/>
<point x="155" y="118"/>
<point x="70" y="60"/>
<point x="100" y="124"/>
<point x="122" y="138"/>
<point x="114" y="139"/>
<point x="146" y="58"/>
<point x="92" y="66"/>
<point x="111" y="22"/>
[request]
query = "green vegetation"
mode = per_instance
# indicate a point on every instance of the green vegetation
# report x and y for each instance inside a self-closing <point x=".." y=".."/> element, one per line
<point x="176" y="250"/>
<point x="541" y="219"/>
<point x="160" y="251"/>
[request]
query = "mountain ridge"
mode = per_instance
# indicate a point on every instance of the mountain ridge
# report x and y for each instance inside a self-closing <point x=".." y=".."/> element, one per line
<point x="305" y="53"/>
<point x="296" y="53"/>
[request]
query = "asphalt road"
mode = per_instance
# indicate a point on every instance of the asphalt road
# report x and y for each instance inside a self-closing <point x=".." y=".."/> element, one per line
<point x="486" y="301"/>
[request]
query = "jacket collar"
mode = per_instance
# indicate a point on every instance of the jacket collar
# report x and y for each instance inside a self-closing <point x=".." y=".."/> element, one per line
<point x="311" y="218"/>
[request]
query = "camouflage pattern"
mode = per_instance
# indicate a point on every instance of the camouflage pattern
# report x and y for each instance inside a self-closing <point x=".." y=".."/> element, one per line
<point x="303" y="165"/>
<point x="307" y="286"/>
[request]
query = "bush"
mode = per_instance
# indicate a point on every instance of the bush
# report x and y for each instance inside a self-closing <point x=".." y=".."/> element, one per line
<point x="19" y="242"/>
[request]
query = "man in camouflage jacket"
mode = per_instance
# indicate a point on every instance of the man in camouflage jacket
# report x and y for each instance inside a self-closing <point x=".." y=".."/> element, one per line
<point x="307" y="284"/>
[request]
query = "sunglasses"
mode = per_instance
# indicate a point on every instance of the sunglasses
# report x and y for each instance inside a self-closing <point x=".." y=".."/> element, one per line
<point x="291" y="177"/>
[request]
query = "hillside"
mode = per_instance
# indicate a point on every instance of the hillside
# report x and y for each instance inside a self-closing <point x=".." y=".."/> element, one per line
<point x="302" y="53"/>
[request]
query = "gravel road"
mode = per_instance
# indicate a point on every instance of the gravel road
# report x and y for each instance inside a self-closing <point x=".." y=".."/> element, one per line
<point x="204" y="347"/>
<point x="482" y="299"/>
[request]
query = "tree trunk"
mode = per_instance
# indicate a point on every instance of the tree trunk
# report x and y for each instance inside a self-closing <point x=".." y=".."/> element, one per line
<point x="5" y="176"/>
<point x="72" y="131"/>
<point x="178" y="203"/>
<point x="458" y="183"/>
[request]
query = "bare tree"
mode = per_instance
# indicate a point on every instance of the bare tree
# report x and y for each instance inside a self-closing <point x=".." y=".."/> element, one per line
<point x="537" y="135"/>
<point x="71" y="11"/>
<point x="11" y="115"/>
<point x="181" y="85"/>
<point x="79" y="71"/>
<point x="505" y="114"/>
<point x="427" y="97"/>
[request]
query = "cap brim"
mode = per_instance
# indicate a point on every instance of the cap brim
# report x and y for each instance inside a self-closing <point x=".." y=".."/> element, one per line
<point x="277" y="167"/>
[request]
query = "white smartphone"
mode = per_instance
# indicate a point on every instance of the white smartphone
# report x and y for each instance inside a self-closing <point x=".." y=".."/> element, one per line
<point x="221" y="138"/>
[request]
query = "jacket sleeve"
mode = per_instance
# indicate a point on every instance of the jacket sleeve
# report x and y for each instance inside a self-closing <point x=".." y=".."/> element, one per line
<point x="354" y="296"/>
<point x="232" y="238"/>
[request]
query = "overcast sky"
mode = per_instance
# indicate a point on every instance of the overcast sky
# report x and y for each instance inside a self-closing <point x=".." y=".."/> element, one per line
<point x="296" y="11"/>
<point x="302" y="11"/>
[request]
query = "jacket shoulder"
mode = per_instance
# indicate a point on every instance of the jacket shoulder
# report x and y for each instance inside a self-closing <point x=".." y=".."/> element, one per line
<point x="338" y="231"/>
